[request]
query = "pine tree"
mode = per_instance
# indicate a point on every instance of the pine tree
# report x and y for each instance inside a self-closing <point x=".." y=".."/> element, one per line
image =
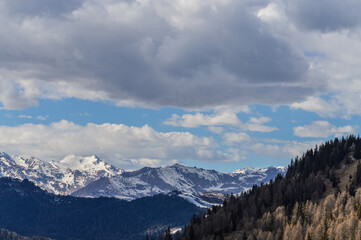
<point x="324" y="233"/>
<point x="168" y="235"/>
<point x="358" y="211"/>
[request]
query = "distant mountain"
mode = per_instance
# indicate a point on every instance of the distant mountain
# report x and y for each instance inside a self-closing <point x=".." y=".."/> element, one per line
<point x="149" y="181"/>
<point x="92" y="177"/>
<point x="63" y="177"/>
<point x="28" y="210"/>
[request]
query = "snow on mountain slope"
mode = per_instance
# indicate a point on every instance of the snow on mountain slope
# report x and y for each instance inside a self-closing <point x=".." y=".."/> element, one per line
<point x="258" y="175"/>
<point x="57" y="177"/>
<point x="149" y="181"/>
<point x="91" y="164"/>
<point x="92" y="177"/>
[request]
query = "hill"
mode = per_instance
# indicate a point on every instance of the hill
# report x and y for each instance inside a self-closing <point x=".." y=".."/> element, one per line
<point x="28" y="210"/>
<point x="317" y="199"/>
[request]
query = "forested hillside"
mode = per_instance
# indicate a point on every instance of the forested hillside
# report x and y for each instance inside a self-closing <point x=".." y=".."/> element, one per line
<point x="28" y="210"/>
<point x="317" y="199"/>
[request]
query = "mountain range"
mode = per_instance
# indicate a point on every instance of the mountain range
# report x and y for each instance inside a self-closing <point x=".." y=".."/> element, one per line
<point x="318" y="198"/>
<point x="93" y="177"/>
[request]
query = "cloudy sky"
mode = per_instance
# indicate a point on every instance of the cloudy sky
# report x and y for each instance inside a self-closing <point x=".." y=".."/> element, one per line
<point x="218" y="84"/>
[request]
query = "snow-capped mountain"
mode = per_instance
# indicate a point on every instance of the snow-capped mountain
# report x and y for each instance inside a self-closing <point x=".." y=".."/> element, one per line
<point x="189" y="180"/>
<point x="92" y="177"/>
<point x="63" y="177"/>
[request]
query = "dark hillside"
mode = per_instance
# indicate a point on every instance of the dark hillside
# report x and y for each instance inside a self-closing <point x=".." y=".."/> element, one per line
<point x="320" y="172"/>
<point x="28" y="210"/>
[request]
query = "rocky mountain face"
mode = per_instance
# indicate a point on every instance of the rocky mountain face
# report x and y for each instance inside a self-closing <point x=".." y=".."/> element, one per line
<point x="92" y="177"/>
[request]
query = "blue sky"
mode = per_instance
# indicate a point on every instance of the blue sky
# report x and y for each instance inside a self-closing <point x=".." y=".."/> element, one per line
<point x="282" y="118"/>
<point x="220" y="84"/>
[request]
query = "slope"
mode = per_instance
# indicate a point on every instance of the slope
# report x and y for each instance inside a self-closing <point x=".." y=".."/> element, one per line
<point x="149" y="181"/>
<point x="312" y="178"/>
<point x="28" y="210"/>
<point x="63" y="177"/>
<point x="93" y="177"/>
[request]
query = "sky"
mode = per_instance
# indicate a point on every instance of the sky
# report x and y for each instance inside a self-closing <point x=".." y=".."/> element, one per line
<point x="217" y="84"/>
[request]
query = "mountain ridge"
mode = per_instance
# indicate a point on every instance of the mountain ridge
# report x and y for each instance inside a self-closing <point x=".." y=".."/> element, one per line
<point x="93" y="177"/>
<point x="150" y="181"/>
<point x="55" y="177"/>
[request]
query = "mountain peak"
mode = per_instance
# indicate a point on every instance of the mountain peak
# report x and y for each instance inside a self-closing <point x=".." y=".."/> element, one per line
<point x="98" y="178"/>
<point x="259" y="170"/>
<point x="81" y="163"/>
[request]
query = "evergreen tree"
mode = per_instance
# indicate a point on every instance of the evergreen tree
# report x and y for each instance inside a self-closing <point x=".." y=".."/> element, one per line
<point x="168" y="235"/>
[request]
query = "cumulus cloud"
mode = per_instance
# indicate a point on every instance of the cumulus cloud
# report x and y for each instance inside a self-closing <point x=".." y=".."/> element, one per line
<point x="42" y="118"/>
<point x="328" y="32"/>
<point x="200" y="119"/>
<point x="188" y="54"/>
<point x="15" y="95"/>
<point x="273" y="14"/>
<point x="268" y="147"/>
<point x="117" y="143"/>
<point x="231" y="138"/>
<point x="214" y="129"/>
<point x="226" y="118"/>
<point x="322" y="129"/>
<point x="319" y="106"/>
<point x="341" y="64"/>
<point x="257" y="125"/>
<point x="288" y="149"/>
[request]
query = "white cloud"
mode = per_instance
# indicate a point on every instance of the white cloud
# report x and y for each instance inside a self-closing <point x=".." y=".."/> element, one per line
<point x="256" y="125"/>
<point x="270" y="148"/>
<point x="42" y="118"/>
<point x="319" y="106"/>
<point x="151" y="162"/>
<point x="117" y="143"/>
<point x="200" y="119"/>
<point x="25" y="116"/>
<point x="330" y="37"/>
<point x="232" y="138"/>
<point x="226" y="118"/>
<point x="322" y="129"/>
<point x="260" y="120"/>
<point x="15" y="94"/>
<point x="287" y="149"/>
<point x="214" y="129"/>
<point x="271" y="13"/>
